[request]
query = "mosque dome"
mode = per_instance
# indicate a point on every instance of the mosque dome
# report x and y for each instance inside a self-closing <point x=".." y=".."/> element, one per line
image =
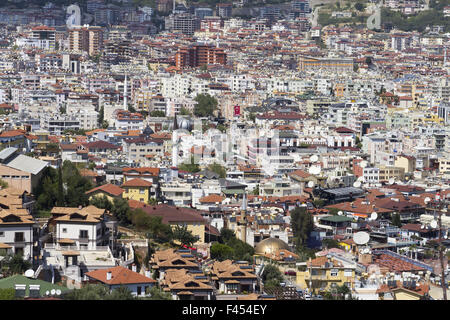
<point x="270" y="245"/>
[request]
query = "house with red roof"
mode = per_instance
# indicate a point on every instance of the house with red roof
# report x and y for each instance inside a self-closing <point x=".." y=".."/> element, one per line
<point x="137" y="189"/>
<point x="108" y="190"/>
<point x="119" y="276"/>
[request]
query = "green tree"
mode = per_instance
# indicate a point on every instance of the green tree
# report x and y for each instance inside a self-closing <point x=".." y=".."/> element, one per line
<point x="60" y="195"/>
<point x="333" y="211"/>
<point x="101" y="202"/>
<point x="121" y="293"/>
<point x="330" y="243"/>
<point x="157" y="113"/>
<point x="121" y="210"/>
<point x="158" y="294"/>
<point x="89" y="292"/>
<point x="101" y="116"/>
<point x="185" y="112"/>
<point x="256" y="190"/>
<point x="190" y="167"/>
<point x="16" y="264"/>
<point x="206" y="105"/>
<point x="217" y="168"/>
<point x="7" y="294"/>
<point x="226" y="235"/>
<point x="3" y="184"/>
<point x="302" y="224"/>
<point x="360" y="6"/>
<point x="271" y="277"/>
<point x="221" y="252"/>
<point x="396" y="221"/>
<point x="184" y="236"/>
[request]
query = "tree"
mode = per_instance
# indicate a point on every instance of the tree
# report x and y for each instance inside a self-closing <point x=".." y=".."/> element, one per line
<point x="16" y="264"/>
<point x="121" y="293"/>
<point x="101" y="116"/>
<point x="60" y="195"/>
<point x="226" y="235"/>
<point x="185" y="112"/>
<point x="184" y="236"/>
<point x="89" y="292"/>
<point x="206" y="104"/>
<point x="190" y="167"/>
<point x="217" y="168"/>
<point x="157" y="113"/>
<point x="101" y="202"/>
<point x="256" y="190"/>
<point x="221" y="252"/>
<point x="396" y="221"/>
<point x="271" y="278"/>
<point x="121" y="210"/>
<point x="333" y="211"/>
<point x="7" y="294"/>
<point x="360" y="6"/>
<point x="105" y="124"/>
<point x="302" y="224"/>
<point x="158" y="294"/>
<point x="330" y="243"/>
<point x="3" y="184"/>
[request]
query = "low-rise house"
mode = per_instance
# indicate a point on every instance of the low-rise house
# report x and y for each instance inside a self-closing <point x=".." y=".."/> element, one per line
<point x="397" y="290"/>
<point x="137" y="189"/>
<point x="185" y="285"/>
<point x="170" y="259"/>
<point x="119" y="276"/>
<point x="234" y="277"/>
<point x="111" y="191"/>
<point x="81" y="227"/>
<point x="17" y="233"/>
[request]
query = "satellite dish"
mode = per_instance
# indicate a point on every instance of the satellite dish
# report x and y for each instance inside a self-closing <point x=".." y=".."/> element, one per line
<point x="363" y="164"/>
<point x="361" y="237"/>
<point x="361" y="179"/>
<point x="58" y="292"/>
<point x="314" y="158"/>
<point x="340" y="213"/>
<point x="314" y="170"/>
<point x="391" y="181"/>
<point x="310" y="184"/>
<point x="29" y="273"/>
<point x="53" y="291"/>
<point x="374" y="216"/>
<point x="47" y="292"/>
<point x="357" y="184"/>
<point x="366" y="250"/>
<point x="433" y="224"/>
<point x="427" y="199"/>
<point x="422" y="227"/>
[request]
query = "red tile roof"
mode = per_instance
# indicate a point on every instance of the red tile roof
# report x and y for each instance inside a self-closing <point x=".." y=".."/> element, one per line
<point x="108" y="188"/>
<point x="137" y="182"/>
<point x="120" y="275"/>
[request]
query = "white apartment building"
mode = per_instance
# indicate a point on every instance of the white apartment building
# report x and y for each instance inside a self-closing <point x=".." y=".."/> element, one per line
<point x="17" y="233"/>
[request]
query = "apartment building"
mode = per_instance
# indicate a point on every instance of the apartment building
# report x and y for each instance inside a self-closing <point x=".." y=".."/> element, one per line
<point x="86" y="39"/>
<point x="306" y="63"/>
<point x="199" y="55"/>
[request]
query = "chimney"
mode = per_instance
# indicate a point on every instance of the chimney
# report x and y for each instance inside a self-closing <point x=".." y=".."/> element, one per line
<point x="109" y="275"/>
<point x="148" y="274"/>
<point x="133" y="267"/>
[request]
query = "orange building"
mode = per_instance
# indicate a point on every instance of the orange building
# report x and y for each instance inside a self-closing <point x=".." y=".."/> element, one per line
<point x="199" y="55"/>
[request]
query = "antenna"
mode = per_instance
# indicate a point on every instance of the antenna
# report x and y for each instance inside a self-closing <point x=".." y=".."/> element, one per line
<point x="374" y="216"/>
<point x="361" y="237"/>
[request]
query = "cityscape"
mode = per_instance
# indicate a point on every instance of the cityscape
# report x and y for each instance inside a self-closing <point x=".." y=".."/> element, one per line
<point x="237" y="150"/>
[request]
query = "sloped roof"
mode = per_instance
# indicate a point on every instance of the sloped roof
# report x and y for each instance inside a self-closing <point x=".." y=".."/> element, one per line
<point x="119" y="275"/>
<point x="137" y="182"/>
<point x="109" y="188"/>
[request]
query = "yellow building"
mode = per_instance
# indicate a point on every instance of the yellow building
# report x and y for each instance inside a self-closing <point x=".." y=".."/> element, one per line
<point x="137" y="189"/>
<point x="408" y="163"/>
<point x="388" y="172"/>
<point x="323" y="274"/>
<point x="111" y="191"/>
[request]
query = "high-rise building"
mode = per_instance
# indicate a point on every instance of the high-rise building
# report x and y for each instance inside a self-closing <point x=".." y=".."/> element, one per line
<point x="199" y="55"/>
<point x="184" y="22"/>
<point x="44" y="36"/>
<point x="86" y="39"/>
<point x="224" y="10"/>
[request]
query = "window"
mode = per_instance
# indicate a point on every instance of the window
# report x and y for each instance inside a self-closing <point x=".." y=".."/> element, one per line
<point x="2" y="234"/>
<point x="64" y="230"/>
<point x="334" y="272"/>
<point x="84" y="234"/>
<point x="18" y="237"/>
<point x="141" y="190"/>
<point x="139" y="290"/>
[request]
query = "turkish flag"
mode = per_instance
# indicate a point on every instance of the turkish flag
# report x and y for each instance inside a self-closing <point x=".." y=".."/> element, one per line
<point x="237" y="110"/>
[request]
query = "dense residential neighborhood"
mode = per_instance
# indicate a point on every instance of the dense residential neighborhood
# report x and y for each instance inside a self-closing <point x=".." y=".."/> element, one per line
<point x="211" y="150"/>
